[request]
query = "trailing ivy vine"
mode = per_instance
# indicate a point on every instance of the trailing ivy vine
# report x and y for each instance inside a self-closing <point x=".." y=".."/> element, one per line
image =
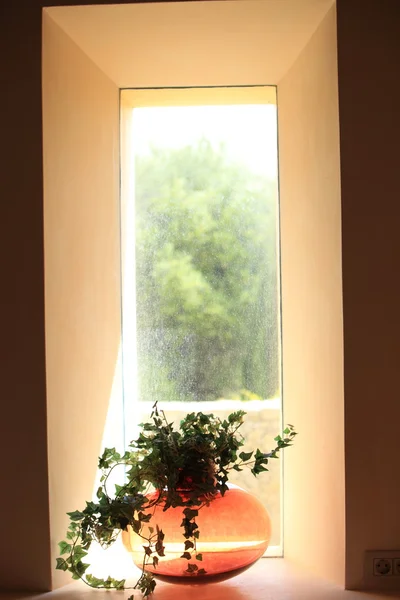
<point x="184" y="468"/>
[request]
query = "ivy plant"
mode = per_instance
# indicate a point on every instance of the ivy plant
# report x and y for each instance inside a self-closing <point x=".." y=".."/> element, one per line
<point x="197" y="458"/>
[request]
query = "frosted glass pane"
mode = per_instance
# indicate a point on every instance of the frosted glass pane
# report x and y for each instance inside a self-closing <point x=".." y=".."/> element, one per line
<point x="202" y="327"/>
<point x="207" y="322"/>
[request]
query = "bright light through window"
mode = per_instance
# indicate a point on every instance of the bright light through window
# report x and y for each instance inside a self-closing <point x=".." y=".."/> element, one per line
<point x="201" y="323"/>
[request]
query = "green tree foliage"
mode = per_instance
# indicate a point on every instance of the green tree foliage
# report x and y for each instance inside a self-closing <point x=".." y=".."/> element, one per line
<point x="206" y="277"/>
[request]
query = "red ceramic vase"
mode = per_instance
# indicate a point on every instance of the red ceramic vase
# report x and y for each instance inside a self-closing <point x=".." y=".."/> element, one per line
<point x="235" y="530"/>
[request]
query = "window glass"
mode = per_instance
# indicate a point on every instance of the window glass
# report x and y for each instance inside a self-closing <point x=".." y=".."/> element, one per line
<point x="201" y="319"/>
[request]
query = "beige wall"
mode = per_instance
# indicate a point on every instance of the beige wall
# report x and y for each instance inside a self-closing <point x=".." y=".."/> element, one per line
<point x="312" y="305"/>
<point x="368" y="60"/>
<point x="24" y="504"/>
<point x="82" y="287"/>
<point x="225" y="42"/>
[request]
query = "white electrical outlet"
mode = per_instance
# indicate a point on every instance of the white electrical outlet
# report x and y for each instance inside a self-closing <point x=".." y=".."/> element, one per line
<point x="382" y="569"/>
<point x="396" y="566"/>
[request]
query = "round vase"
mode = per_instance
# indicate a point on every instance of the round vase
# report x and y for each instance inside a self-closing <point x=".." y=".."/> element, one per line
<point x="235" y="530"/>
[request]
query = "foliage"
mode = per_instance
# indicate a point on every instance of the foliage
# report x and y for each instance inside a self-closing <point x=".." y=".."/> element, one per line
<point x="206" y="276"/>
<point x="198" y="458"/>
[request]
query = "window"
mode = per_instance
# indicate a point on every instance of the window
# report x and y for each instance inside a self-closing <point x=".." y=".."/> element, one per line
<point x="201" y="323"/>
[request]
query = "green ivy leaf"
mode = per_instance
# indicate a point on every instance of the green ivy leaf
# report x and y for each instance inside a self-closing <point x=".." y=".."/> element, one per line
<point x="62" y="564"/>
<point x="192" y="568"/>
<point x="190" y="513"/>
<point x="260" y="468"/>
<point x="80" y="568"/>
<point x="76" y="515"/>
<point x="160" y="548"/>
<point x="91" y="508"/>
<point x="186" y="555"/>
<point x="78" y="553"/>
<point x="245" y="456"/>
<point x="144" y="518"/>
<point x="65" y="548"/>
<point x="94" y="581"/>
<point x="119" y="584"/>
<point x="199" y="557"/>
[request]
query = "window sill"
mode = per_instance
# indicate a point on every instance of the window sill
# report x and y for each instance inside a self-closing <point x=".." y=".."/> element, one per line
<point x="269" y="579"/>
